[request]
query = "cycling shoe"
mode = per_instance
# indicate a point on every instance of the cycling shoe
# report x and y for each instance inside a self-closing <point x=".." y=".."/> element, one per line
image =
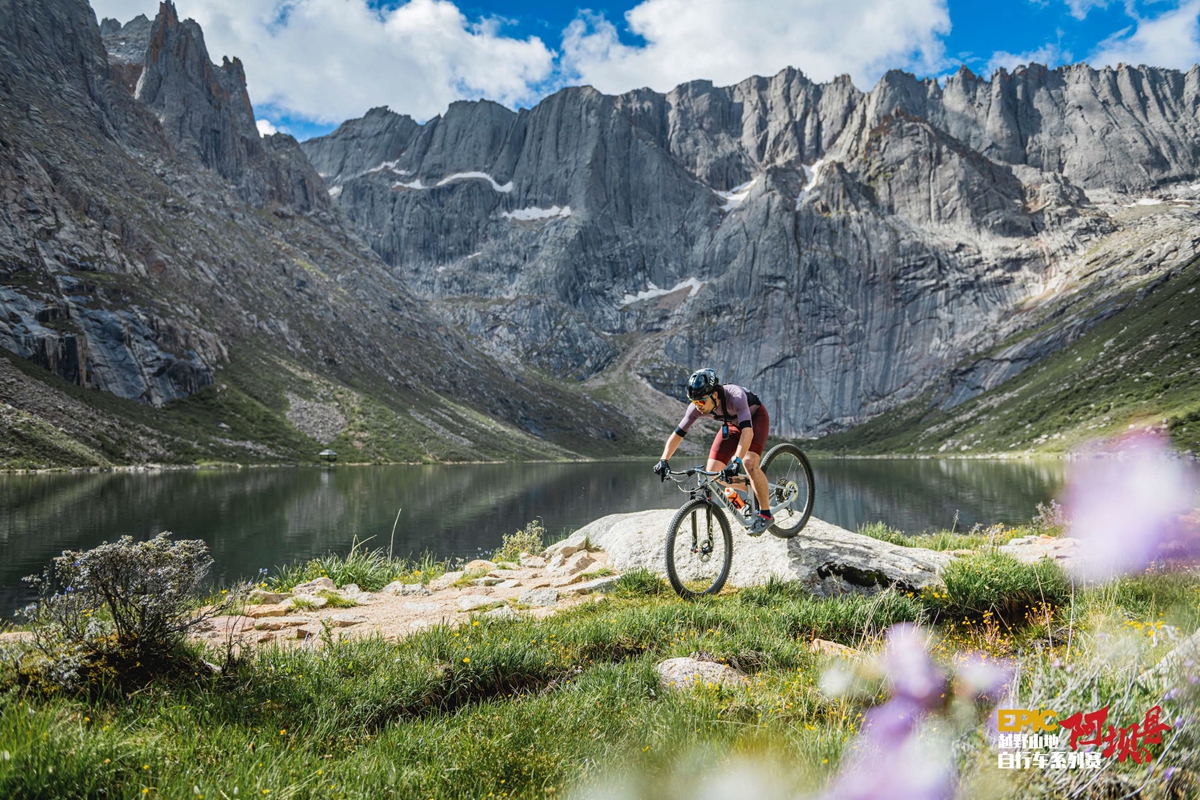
<point x="760" y="524"/>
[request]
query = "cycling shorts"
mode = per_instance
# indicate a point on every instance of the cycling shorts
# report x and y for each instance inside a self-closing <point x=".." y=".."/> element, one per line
<point x="723" y="448"/>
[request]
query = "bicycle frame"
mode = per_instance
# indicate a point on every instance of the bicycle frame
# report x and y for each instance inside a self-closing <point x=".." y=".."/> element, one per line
<point x="709" y="488"/>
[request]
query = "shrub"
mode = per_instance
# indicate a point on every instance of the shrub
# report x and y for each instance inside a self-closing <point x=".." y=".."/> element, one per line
<point x="1049" y="517"/>
<point x="528" y="540"/>
<point x="640" y="582"/>
<point x="334" y="599"/>
<point x="998" y="583"/>
<point x="371" y="570"/>
<point x="123" y="609"/>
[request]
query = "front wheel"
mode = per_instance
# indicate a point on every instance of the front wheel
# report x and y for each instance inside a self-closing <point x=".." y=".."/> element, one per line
<point x="699" y="550"/>
<point x="790" y="479"/>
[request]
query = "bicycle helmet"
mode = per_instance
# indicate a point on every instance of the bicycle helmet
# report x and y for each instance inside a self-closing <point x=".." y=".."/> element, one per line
<point x="701" y="384"/>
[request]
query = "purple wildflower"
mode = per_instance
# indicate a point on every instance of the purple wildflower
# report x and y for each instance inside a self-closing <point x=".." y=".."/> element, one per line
<point x="982" y="679"/>
<point x="1124" y="508"/>
<point x="911" y="670"/>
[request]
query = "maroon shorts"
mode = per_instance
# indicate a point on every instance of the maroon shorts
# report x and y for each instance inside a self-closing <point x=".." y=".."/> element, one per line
<point x="723" y="449"/>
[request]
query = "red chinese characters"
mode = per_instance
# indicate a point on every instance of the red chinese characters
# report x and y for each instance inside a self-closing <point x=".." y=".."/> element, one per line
<point x="1090" y="729"/>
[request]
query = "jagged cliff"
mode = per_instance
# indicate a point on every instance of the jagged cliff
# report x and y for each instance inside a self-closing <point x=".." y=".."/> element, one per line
<point x="155" y="248"/>
<point x="841" y="252"/>
<point x="497" y="283"/>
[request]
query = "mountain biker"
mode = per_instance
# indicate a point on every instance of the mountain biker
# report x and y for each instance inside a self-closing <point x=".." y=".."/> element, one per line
<point x="739" y="444"/>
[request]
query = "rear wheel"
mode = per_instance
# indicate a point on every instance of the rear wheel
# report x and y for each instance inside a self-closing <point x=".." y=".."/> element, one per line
<point x="792" y="489"/>
<point x="699" y="549"/>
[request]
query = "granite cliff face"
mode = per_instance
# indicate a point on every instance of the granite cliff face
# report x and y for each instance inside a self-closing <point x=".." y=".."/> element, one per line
<point x="839" y="252"/>
<point x="155" y="248"/>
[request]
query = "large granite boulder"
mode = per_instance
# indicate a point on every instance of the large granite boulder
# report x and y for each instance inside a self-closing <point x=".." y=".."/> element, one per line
<point x="825" y="558"/>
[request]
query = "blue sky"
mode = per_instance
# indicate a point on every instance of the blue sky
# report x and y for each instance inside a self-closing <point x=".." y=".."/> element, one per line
<point x="314" y="63"/>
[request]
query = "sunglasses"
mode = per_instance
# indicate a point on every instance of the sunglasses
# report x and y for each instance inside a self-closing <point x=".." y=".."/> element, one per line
<point x="700" y="403"/>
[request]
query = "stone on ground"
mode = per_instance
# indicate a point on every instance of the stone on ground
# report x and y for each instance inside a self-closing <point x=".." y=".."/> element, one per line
<point x="688" y="672"/>
<point x="474" y="601"/>
<point x="538" y="598"/>
<point x="406" y="589"/>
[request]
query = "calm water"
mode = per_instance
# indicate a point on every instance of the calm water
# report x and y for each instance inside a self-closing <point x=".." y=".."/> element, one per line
<point x="257" y="518"/>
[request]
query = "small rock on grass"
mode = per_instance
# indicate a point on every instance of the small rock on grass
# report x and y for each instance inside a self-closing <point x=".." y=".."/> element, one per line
<point x="314" y="586"/>
<point x="445" y="581"/>
<point x="258" y="612"/>
<point x="597" y="585"/>
<point x="474" y="601"/>
<point x="538" y="598"/>
<point x="827" y="648"/>
<point x="407" y="589"/>
<point x="479" y="563"/>
<point x="503" y="612"/>
<point x="684" y="673"/>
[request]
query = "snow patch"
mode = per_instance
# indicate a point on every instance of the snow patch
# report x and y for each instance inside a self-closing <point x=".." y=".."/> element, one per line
<point x="458" y="176"/>
<point x="414" y="185"/>
<point x="335" y="192"/>
<point x="734" y="197"/>
<point x="388" y="166"/>
<point x="810" y="174"/>
<point x="693" y="283"/>
<point x="532" y="214"/>
<point x="1145" y="201"/>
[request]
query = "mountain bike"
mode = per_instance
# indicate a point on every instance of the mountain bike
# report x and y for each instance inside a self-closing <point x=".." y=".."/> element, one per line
<point x="698" y="558"/>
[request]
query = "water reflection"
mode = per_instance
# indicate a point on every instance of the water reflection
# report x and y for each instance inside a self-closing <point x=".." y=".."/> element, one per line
<point x="264" y="517"/>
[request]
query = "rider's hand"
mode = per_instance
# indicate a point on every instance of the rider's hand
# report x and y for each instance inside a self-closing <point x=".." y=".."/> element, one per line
<point x="661" y="469"/>
<point x="733" y="469"/>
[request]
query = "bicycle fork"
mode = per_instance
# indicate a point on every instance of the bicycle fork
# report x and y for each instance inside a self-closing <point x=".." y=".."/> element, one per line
<point x="703" y="549"/>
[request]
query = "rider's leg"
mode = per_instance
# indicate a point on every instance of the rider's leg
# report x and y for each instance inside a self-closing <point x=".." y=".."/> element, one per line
<point x="758" y="479"/>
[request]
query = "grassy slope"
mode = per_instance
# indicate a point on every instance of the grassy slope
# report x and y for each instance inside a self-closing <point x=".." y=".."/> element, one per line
<point x="250" y="398"/>
<point x="532" y="708"/>
<point x="1138" y="369"/>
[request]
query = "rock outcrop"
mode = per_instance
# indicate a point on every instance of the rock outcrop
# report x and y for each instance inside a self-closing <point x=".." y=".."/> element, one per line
<point x="824" y="558"/>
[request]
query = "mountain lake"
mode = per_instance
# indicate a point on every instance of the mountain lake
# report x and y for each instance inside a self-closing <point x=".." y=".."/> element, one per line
<point x="263" y="517"/>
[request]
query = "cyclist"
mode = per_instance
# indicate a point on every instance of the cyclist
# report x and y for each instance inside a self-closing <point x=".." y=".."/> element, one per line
<point x="737" y="446"/>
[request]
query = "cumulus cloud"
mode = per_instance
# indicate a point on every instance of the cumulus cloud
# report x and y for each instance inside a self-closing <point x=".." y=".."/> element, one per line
<point x="1172" y="39"/>
<point x="728" y="40"/>
<point x="329" y="60"/>
<point x="1050" y="55"/>
<point x="1079" y="8"/>
<point x="266" y="128"/>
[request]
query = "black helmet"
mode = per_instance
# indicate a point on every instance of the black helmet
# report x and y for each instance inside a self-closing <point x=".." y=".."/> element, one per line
<point x="701" y="384"/>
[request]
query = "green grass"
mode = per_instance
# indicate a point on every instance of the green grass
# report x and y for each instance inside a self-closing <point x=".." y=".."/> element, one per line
<point x="521" y="708"/>
<point x="993" y="583"/>
<point x="1139" y="368"/>
<point x="370" y="569"/>
<point x="948" y="540"/>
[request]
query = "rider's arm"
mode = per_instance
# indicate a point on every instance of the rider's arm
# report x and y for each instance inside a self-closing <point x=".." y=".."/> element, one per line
<point x="745" y="438"/>
<point x="672" y="442"/>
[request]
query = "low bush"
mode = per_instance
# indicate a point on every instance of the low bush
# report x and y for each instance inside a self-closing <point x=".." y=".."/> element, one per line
<point x="120" y="611"/>
<point x="998" y="583"/>
<point x="371" y="570"/>
<point x="528" y="540"/>
<point x="640" y="582"/>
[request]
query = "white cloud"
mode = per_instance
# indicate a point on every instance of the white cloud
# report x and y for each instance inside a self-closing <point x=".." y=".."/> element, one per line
<point x="1172" y="39"/>
<point x="1080" y="8"/>
<point x="266" y="128"/>
<point x="1049" y="54"/>
<point x="329" y="60"/>
<point x="728" y="40"/>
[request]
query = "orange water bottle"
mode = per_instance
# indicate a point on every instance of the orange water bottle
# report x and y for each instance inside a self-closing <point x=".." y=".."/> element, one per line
<point x="734" y="498"/>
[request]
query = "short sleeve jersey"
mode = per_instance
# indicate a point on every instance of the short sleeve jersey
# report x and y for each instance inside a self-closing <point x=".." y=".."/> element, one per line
<point x="736" y="405"/>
